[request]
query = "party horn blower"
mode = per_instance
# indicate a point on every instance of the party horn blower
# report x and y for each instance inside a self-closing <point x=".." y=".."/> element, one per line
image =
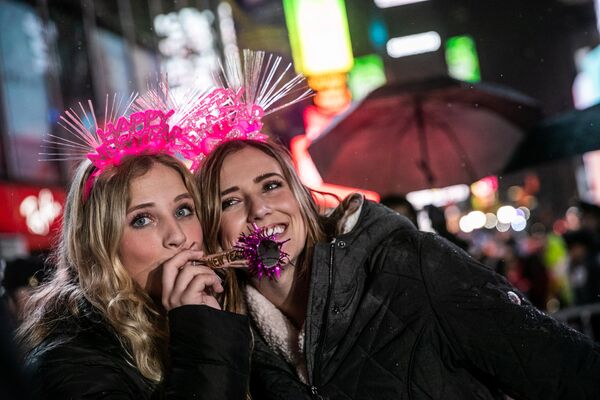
<point x="258" y="251"/>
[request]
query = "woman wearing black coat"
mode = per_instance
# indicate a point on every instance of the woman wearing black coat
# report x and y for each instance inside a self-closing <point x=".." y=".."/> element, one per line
<point x="368" y="307"/>
<point x="129" y="313"/>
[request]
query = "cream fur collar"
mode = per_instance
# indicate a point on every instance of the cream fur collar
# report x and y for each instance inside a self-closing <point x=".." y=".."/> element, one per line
<point x="281" y="335"/>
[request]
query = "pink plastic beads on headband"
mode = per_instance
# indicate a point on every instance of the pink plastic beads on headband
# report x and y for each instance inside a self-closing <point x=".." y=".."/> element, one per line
<point x="143" y="132"/>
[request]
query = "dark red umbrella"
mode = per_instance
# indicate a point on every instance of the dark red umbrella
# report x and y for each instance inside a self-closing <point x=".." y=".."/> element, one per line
<point x="437" y="133"/>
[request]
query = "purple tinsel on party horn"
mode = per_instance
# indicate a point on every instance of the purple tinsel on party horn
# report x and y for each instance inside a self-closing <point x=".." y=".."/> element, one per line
<point x="264" y="254"/>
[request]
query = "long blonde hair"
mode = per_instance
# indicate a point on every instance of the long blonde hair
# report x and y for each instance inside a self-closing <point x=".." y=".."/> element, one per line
<point x="210" y="191"/>
<point x="88" y="267"/>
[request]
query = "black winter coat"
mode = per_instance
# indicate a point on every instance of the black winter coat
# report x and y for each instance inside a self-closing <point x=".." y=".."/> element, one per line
<point x="209" y="359"/>
<point x="395" y="313"/>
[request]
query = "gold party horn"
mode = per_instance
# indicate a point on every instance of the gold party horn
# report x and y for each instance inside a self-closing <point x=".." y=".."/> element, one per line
<point x="267" y="252"/>
<point x="233" y="258"/>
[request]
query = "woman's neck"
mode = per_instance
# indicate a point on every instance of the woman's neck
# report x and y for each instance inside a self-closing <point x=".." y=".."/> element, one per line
<point x="289" y="294"/>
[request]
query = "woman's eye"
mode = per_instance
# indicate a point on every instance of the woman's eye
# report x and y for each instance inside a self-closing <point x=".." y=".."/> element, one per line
<point x="184" y="212"/>
<point x="272" y="185"/>
<point x="140" y="221"/>
<point x="227" y="203"/>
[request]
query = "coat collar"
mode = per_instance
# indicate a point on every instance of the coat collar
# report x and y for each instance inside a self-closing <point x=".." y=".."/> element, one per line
<point x="277" y="330"/>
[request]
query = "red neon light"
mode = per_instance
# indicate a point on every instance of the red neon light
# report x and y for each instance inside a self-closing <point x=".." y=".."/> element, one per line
<point x="13" y="222"/>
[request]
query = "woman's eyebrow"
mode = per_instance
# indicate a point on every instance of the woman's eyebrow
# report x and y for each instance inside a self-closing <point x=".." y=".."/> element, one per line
<point x="151" y="204"/>
<point x="265" y="176"/>
<point x="139" y="206"/>
<point x="185" y="195"/>
<point x="229" y="190"/>
<point x="258" y="179"/>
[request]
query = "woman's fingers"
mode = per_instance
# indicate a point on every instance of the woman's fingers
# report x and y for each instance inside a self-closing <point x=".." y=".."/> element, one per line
<point x="200" y="290"/>
<point x="171" y="269"/>
<point x="187" y="282"/>
<point x="186" y="274"/>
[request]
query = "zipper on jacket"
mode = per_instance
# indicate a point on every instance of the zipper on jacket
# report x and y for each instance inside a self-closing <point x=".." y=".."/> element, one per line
<point x="313" y="389"/>
<point x="314" y="392"/>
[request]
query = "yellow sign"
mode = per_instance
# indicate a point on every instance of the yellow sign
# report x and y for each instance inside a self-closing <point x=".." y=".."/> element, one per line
<point x="319" y="36"/>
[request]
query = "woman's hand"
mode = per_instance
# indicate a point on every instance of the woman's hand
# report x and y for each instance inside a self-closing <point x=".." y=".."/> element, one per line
<point x="186" y="282"/>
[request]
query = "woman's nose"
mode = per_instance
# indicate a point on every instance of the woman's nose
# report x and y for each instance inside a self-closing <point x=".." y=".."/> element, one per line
<point x="258" y="209"/>
<point x="174" y="235"/>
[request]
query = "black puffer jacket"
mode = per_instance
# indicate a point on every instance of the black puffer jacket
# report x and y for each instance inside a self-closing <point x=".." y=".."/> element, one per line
<point x="209" y="354"/>
<point x="395" y="313"/>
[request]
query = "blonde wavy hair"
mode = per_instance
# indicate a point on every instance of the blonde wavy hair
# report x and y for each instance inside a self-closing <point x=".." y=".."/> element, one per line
<point x="208" y="181"/>
<point x="88" y="267"/>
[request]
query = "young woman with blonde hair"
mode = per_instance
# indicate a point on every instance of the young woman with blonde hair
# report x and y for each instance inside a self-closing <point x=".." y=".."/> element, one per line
<point x="130" y="313"/>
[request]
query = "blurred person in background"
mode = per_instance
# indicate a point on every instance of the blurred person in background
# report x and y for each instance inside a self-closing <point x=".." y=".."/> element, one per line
<point x="584" y="265"/>
<point x="526" y="271"/>
<point x="401" y="205"/>
<point x="590" y="218"/>
<point x="21" y="277"/>
<point x="438" y="223"/>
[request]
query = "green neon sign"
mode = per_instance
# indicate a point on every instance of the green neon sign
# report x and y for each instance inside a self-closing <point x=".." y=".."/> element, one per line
<point x="462" y="60"/>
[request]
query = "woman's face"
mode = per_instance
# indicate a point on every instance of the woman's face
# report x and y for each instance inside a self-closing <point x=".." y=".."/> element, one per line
<point x="160" y="222"/>
<point x="254" y="190"/>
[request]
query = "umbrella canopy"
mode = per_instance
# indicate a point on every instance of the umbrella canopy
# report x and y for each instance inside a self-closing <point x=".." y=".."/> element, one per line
<point x="442" y="132"/>
<point x="566" y="135"/>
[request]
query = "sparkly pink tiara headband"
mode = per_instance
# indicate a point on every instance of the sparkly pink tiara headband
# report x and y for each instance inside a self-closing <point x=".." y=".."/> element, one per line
<point x="245" y="93"/>
<point x="144" y="131"/>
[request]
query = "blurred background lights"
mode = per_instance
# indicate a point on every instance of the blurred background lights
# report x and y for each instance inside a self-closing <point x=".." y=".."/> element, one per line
<point x="40" y="212"/>
<point x="477" y="219"/>
<point x="506" y="214"/>
<point x="413" y="44"/>
<point x="518" y="223"/>
<point x="438" y="197"/>
<point x="465" y="224"/>
<point x="461" y="59"/>
<point x="378" y="33"/>
<point x="490" y="221"/>
<point x="502" y="227"/>
<point x="485" y="186"/>
<point x="471" y="221"/>
<point x="525" y="212"/>
<point x="573" y="218"/>
<point x="506" y="217"/>
<point x="315" y="53"/>
<point x="515" y="193"/>
<point x="395" y="3"/>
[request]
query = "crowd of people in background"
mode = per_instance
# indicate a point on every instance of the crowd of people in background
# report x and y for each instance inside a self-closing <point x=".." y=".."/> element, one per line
<point x="556" y="271"/>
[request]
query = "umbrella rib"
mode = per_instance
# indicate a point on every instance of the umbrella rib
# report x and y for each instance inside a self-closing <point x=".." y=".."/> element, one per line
<point x="402" y="132"/>
<point x="449" y="132"/>
<point x="424" y="164"/>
